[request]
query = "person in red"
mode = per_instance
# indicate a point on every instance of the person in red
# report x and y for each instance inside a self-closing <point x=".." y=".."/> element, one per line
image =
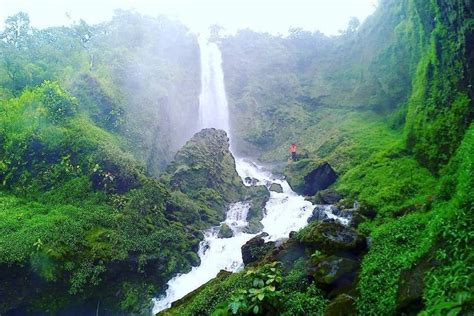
<point x="293" y="151"/>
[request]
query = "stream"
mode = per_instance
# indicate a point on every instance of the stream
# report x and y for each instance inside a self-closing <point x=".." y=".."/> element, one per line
<point x="284" y="212"/>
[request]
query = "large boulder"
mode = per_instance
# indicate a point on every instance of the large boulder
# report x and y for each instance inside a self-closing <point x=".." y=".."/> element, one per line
<point x="275" y="187"/>
<point x="327" y="196"/>
<point x="205" y="161"/>
<point x="333" y="269"/>
<point x="256" y="248"/>
<point x="319" y="179"/>
<point x="288" y="252"/>
<point x="225" y="231"/>
<point x="331" y="237"/>
<point x="319" y="214"/>
<point x="310" y="176"/>
<point x="254" y="226"/>
<point x="204" y="170"/>
<point x="257" y="196"/>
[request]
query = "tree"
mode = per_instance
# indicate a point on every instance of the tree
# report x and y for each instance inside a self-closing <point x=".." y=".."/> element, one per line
<point x="84" y="32"/>
<point x="353" y="25"/>
<point x="17" y="30"/>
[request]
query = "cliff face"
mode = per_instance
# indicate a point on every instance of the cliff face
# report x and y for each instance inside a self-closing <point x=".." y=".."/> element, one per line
<point x="206" y="162"/>
<point x="204" y="169"/>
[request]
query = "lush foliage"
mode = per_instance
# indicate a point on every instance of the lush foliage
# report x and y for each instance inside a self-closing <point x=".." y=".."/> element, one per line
<point x="264" y="295"/>
<point x="78" y="211"/>
<point x="88" y="113"/>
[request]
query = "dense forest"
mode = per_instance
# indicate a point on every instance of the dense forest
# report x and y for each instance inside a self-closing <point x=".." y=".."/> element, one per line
<point x="106" y="183"/>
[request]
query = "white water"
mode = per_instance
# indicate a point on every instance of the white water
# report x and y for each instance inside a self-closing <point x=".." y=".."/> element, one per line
<point x="284" y="212"/>
<point x="213" y="108"/>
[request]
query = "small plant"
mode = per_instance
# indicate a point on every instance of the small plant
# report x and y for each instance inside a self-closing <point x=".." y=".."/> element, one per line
<point x="263" y="296"/>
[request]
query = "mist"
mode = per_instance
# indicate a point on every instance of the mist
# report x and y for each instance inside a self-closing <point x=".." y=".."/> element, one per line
<point x="236" y="157"/>
<point x="327" y="16"/>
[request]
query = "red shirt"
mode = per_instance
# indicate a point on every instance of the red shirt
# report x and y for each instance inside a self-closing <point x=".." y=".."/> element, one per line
<point x="293" y="148"/>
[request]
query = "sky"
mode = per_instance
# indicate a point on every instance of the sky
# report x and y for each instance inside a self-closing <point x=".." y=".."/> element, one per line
<point x="273" y="16"/>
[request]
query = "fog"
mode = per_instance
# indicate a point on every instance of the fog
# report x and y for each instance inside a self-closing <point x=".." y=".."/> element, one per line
<point x="274" y="16"/>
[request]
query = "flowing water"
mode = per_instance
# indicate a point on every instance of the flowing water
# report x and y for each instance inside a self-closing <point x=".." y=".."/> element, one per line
<point x="284" y="212"/>
<point x="213" y="108"/>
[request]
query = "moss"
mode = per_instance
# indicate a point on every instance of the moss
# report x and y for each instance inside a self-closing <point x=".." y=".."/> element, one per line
<point x="206" y="298"/>
<point x="204" y="169"/>
<point x="395" y="246"/>
<point x="296" y="171"/>
<point x="225" y="231"/>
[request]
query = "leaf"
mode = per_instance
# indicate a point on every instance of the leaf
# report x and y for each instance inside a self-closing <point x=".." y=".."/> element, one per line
<point x="255" y="282"/>
<point x="261" y="296"/>
<point x="256" y="309"/>
<point x="234" y="307"/>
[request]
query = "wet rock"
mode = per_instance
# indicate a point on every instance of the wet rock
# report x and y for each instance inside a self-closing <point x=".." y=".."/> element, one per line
<point x="319" y="214"/>
<point x="256" y="248"/>
<point x="319" y="179"/>
<point x="331" y="270"/>
<point x="327" y="197"/>
<point x="342" y="212"/>
<point x="331" y="237"/>
<point x="251" y="181"/>
<point x="225" y="231"/>
<point x="308" y="176"/>
<point x="275" y="187"/>
<point x="257" y="197"/>
<point x="206" y="153"/>
<point x="288" y="252"/>
<point x="335" y="210"/>
<point x="342" y="305"/>
<point x="253" y="227"/>
<point x="356" y="219"/>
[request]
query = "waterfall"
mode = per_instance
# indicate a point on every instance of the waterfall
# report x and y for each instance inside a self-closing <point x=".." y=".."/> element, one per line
<point x="284" y="212"/>
<point x="213" y="107"/>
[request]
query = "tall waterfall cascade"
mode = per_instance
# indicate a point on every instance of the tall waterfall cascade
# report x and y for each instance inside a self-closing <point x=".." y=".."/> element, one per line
<point x="213" y="107"/>
<point x="284" y="212"/>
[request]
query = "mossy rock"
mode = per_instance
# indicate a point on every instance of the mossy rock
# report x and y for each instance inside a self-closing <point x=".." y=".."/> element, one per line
<point x="256" y="249"/>
<point x="188" y="298"/>
<point x="275" y="187"/>
<point x="331" y="236"/>
<point x="257" y="197"/>
<point x="204" y="169"/>
<point x="225" y="231"/>
<point x="329" y="270"/>
<point x="328" y="196"/>
<point x="309" y="176"/>
<point x="296" y="171"/>
<point x="287" y="253"/>
<point x="254" y="227"/>
<point x="342" y="305"/>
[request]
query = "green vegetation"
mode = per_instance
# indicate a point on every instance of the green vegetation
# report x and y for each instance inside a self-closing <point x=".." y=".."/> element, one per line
<point x="78" y="211"/>
<point x="94" y="211"/>
<point x="82" y="222"/>
<point x="388" y="104"/>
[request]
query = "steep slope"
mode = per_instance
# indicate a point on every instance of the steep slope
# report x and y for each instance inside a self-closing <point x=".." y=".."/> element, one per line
<point x="390" y="108"/>
<point x="134" y="75"/>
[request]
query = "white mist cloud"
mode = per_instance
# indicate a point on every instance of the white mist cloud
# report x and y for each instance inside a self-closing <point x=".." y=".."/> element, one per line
<point x="274" y="16"/>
